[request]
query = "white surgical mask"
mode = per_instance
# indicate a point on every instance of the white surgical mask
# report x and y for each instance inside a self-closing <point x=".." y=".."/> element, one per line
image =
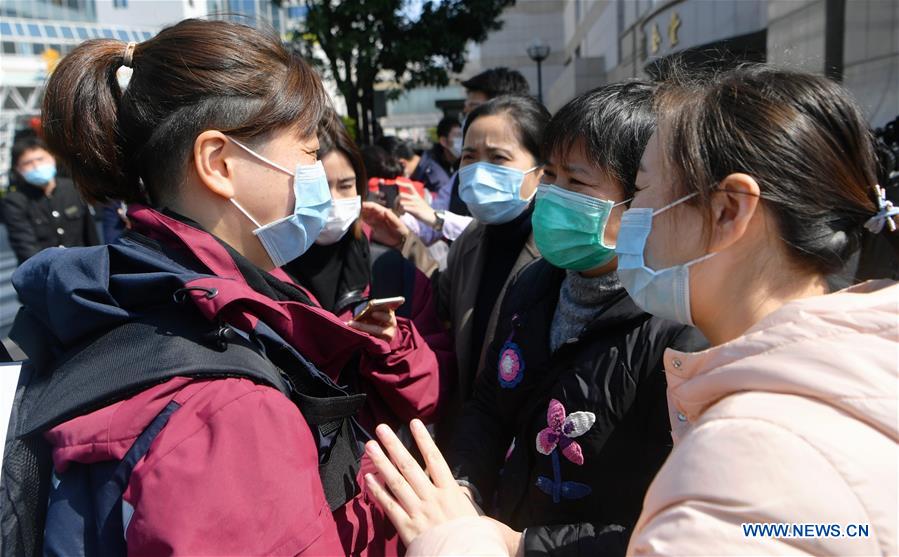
<point x="493" y="192"/>
<point x="457" y="147"/>
<point x="343" y="214"/>
<point x="664" y="293"/>
<point x="288" y="238"/>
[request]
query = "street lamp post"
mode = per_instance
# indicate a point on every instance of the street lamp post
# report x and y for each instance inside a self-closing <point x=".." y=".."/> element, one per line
<point x="538" y="52"/>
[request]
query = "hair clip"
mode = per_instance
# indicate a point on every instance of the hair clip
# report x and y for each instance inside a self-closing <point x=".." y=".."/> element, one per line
<point x="885" y="214"/>
<point x="128" y="56"/>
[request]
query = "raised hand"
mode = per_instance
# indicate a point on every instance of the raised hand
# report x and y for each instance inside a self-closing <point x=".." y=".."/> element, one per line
<point x="414" y="500"/>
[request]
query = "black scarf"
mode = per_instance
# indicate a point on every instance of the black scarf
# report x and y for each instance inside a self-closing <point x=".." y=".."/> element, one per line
<point x="336" y="274"/>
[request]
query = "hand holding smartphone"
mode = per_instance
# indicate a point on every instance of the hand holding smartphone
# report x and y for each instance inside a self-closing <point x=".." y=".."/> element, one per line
<point x="364" y="310"/>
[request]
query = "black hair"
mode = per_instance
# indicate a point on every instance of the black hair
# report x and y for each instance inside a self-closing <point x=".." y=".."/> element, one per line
<point x="528" y="115"/>
<point x="24" y="144"/>
<point x="380" y="164"/>
<point x="614" y="121"/>
<point x="498" y="81"/>
<point x="802" y="138"/>
<point x="396" y="147"/>
<point x="446" y="125"/>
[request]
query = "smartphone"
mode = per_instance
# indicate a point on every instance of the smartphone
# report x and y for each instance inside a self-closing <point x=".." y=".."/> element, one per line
<point x="389" y="193"/>
<point x="364" y="310"/>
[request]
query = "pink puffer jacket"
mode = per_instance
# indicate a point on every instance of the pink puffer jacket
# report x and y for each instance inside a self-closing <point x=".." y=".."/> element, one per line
<point x="794" y="423"/>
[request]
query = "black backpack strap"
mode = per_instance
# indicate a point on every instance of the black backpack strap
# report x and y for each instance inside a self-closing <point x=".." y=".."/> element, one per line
<point x="24" y="484"/>
<point x="133" y="356"/>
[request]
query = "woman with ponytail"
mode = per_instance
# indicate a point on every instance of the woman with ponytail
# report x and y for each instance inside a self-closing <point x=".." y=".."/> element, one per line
<point x="193" y="403"/>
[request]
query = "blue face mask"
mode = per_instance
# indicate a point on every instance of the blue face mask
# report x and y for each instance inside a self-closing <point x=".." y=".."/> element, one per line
<point x="41" y="175"/>
<point x="664" y="293"/>
<point x="286" y="239"/>
<point x="492" y="192"/>
<point x="569" y="228"/>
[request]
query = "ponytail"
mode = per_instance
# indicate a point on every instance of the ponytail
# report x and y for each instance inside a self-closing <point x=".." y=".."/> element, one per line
<point x="80" y="114"/>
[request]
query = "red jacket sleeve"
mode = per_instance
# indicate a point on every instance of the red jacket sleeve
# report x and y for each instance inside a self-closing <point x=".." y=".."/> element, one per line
<point x="234" y="472"/>
<point x="406" y="378"/>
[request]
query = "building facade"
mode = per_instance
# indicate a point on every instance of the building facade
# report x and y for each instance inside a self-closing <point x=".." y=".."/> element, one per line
<point x="36" y="34"/>
<point x="602" y="41"/>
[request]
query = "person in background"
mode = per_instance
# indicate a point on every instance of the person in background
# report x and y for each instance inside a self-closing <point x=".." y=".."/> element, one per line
<point x="115" y="220"/>
<point x="493" y="83"/>
<point x="430" y="219"/>
<point x="500" y="169"/>
<point x="479" y="89"/>
<point x="42" y="209"/>
<point x="337" y="273"/>
<point x="755" y="187"/>
<point x="380" y="163"/>
<point x="402" y="151"/>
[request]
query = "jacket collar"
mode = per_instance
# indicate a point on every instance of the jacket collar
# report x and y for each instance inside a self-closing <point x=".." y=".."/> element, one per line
<point x="839" y="349"/>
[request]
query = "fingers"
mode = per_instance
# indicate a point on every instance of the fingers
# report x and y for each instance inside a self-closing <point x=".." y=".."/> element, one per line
<point x="394" y="511"/>
<point x="436" y="465"/>
<point x="372" y="209"/>
<point x="385" y="333"/>
<point x="404" y="461"/>
<point x="369" y="328"/>
<point x="410" y="198"/>
<point x="393" y="478"/>
<point x="382" y="316"/>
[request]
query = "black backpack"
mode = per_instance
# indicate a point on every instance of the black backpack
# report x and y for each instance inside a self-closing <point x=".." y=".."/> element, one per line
<point x="159" y="345"/>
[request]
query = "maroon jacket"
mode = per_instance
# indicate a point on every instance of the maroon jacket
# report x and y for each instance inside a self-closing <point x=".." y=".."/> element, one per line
<point x="235" y="470"/>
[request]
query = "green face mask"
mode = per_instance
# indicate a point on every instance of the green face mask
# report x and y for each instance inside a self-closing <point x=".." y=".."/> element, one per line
<point x="569" y="228"/>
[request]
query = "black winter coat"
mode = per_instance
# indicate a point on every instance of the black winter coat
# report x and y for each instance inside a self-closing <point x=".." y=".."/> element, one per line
<point x="579" y="489"/>
<point x="35" y="221"/>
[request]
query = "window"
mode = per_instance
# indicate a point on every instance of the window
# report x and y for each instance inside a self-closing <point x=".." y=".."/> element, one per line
<point x="20" y="30"/>
<point x="108" y="33"/>
<point x="37" y="48"/>
<point x="82" y="33"/>
<point x="50" y="31"/>
<point x="67" y="32"/>
<point x="9" y="47"/>
<point x="123" y="35"/>
<point x="33" y="30"/>
<point x="5" y="29"/>
<point x="147" y="35"/>
<point x="119" y="3"/>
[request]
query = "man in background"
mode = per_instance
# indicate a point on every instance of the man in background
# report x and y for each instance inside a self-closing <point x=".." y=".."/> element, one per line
<point x="41" y="209"/>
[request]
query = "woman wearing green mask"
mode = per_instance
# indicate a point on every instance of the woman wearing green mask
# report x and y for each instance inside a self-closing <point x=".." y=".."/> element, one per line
<point x="571" y="404"/>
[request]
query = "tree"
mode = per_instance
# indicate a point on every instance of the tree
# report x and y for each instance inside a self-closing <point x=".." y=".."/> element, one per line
<point x="363" y="43"/>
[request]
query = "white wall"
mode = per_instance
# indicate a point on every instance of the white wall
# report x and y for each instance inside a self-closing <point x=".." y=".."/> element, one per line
<point x="149" y="13"/>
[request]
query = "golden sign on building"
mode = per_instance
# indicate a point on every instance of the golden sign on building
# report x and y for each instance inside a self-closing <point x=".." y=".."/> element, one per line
<point x="673" y="27"/>
<point x="655" y="39"/>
